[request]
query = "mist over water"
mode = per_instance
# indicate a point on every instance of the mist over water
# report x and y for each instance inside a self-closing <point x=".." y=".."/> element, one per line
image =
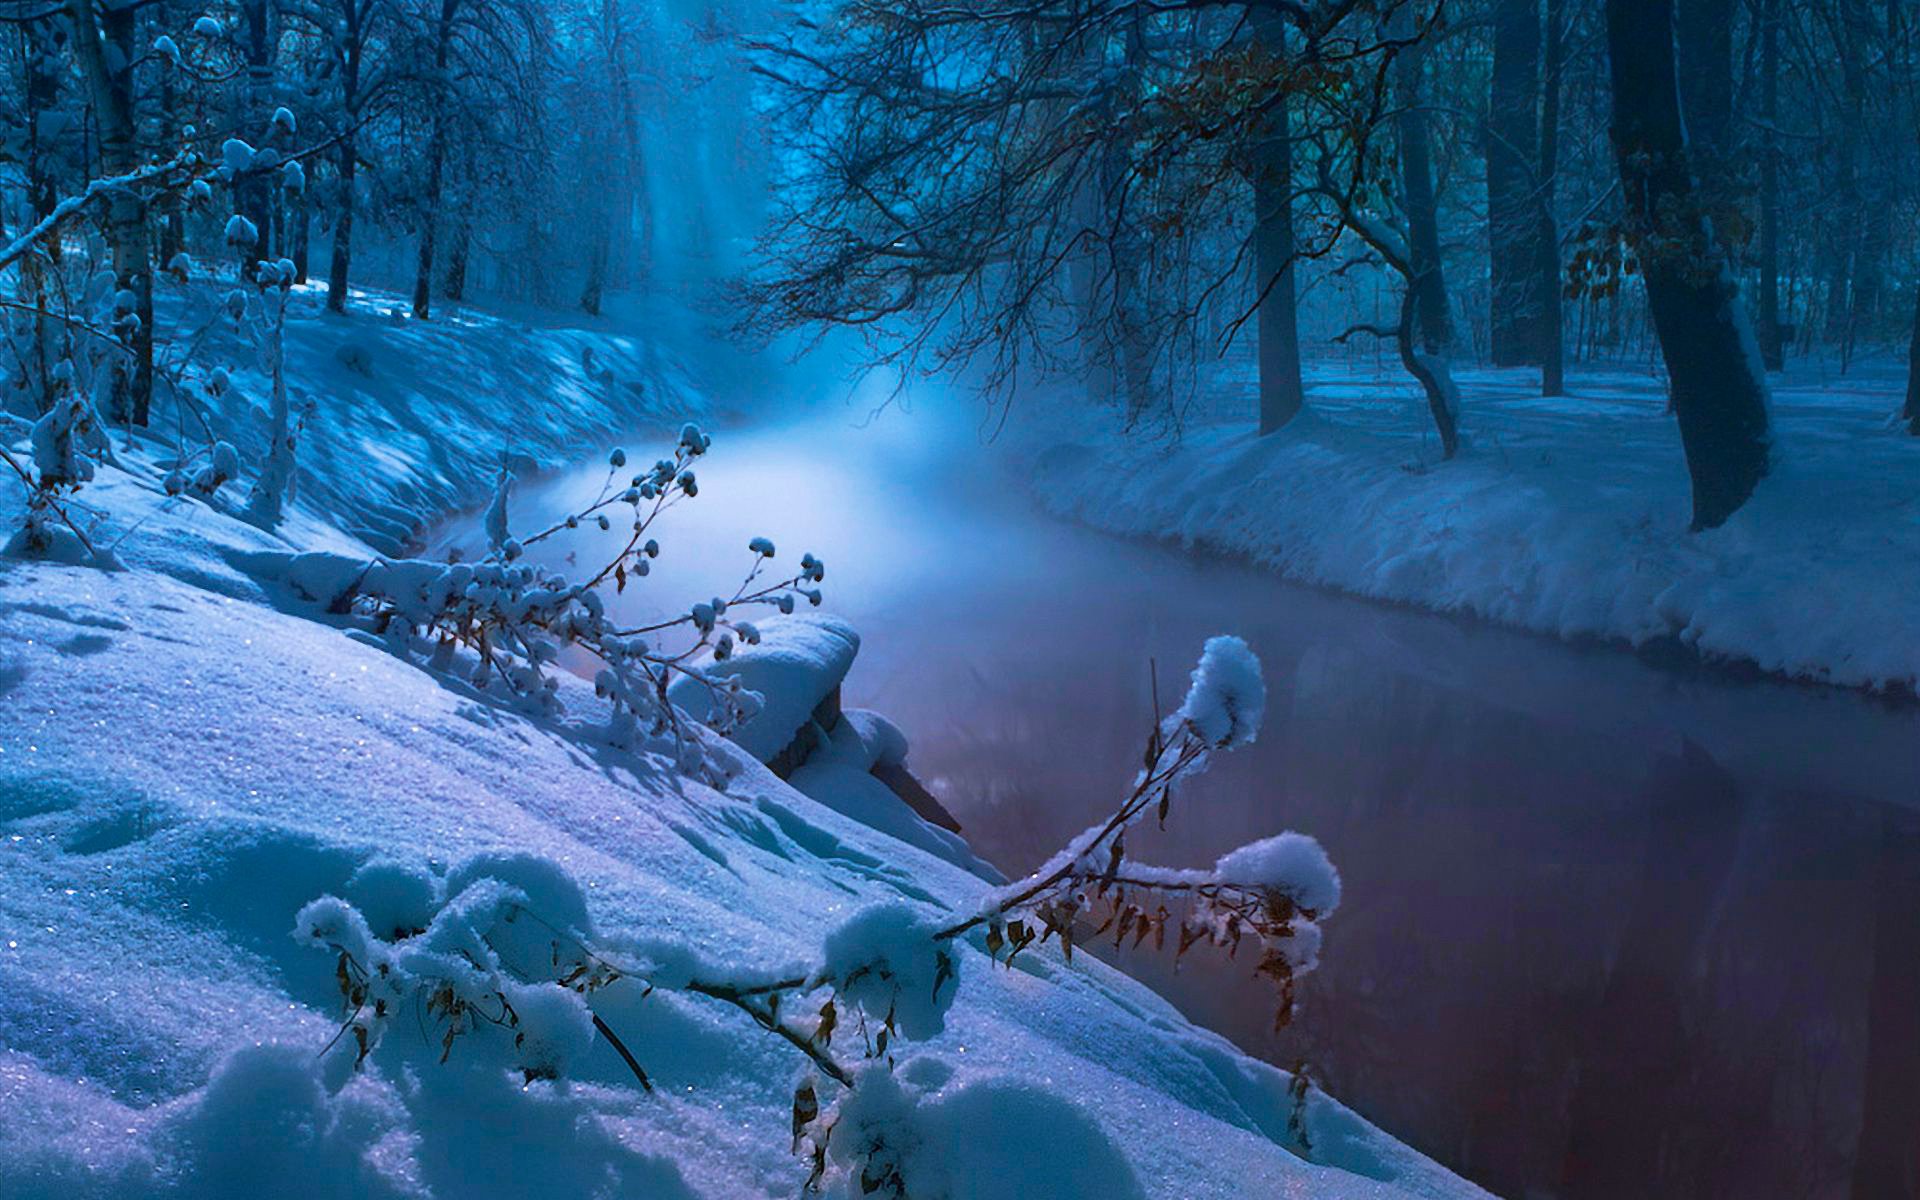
<point x="1606" y="921"/>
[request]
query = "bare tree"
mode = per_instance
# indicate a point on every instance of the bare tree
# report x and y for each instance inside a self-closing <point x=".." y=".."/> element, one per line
<point x="1104" y="195"/>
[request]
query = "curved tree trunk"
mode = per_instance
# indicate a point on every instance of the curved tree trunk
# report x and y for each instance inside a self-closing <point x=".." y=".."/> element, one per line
<point x="454" y="286"/>
<point x="1433" y="313"/>
<point x="1713" y="366"/>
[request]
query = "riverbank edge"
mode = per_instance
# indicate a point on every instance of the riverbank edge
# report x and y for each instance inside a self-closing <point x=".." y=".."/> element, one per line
<point x="1669" y="651"/>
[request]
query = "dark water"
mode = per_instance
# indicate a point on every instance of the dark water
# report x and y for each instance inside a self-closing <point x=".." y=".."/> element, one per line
<point x="1610" y="930"/>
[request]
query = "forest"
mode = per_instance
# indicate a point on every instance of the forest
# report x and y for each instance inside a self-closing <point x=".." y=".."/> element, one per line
<point x="436" y="761"/>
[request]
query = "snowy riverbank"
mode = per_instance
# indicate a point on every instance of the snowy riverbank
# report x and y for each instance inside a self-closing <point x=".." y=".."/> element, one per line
<point x="1565" y="517"/>
<point x="192" y="750"/>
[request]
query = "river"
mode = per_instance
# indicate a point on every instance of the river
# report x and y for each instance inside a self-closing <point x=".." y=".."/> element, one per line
<point x="1609" y="927"/>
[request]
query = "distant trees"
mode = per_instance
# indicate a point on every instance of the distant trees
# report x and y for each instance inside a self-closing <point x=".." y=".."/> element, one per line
<point x="1107" y="194"/>
<point x="347" y="30"/>
<point x="1114" y="194"/>
<point x="464" y="131"/>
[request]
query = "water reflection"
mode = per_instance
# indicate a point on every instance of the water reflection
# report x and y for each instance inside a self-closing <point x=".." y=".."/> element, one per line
<point x="1610" y="931"/>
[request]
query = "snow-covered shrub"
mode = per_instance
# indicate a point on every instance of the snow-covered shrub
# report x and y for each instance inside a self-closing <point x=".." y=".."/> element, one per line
<point x="262" y="317"/>
<point x="64" y="442"/>
<point x="221" y="466"/>
<point x="487" y="967"/>
<point x="503" y="623"/>
<point x="889" y="964"/>
<point x="921" y="1134"/>
<point x="509" y="957"/>
<point x="71" y="363"/>
<point x="1276" y="889"/>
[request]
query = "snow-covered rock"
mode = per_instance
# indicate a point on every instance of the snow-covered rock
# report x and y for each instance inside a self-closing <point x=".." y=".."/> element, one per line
<point x="800" y="660"/>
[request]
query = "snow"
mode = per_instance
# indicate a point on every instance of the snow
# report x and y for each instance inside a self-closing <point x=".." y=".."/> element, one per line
<point x="1289" y="862"/>
<point x="398" y="434"/>
<point x="799" y="660"/>
<point x="1227" y="696"/>
<point x="839" y="774"/>
<point x="886" y="962"/>
<point x="241" y="233"/>
<point x="791" y="664"/>
<point x="995" y="1138"/>
<point x="1565" y="516"/>
<point x="198" y="760"/>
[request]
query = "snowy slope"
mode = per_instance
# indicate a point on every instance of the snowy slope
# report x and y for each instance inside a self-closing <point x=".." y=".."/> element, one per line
<point x="1563" y="516"/>
<point x="189" y="754"/>
<point x="411" y="419"/>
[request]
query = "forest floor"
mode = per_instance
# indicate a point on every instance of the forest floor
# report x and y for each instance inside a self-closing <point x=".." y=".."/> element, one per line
<point x="1565" y="516"/>
<point x="190" y="751"/>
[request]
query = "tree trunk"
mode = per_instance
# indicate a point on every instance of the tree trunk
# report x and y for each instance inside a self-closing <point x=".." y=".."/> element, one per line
<point x="1847" y="188"/>
<point x="1869" y="274"/>
<point x="597" y="251"/>
<point x="104" y="44"/>
<point x="41" y="95"/>
<point x="1513" y="209"/>
<point x="257" y="194"/>
<point x="1912" y="411"/>
<point x="436" y="165"/>
<point x="1886" y="1164"/>
<point x="1434" y="376"/>
<point x="340" y="265"/>
<point x="430" y="207"/>
<point x="300" y="216"/>
<point x="1703" y="40"/>
<point x="1281" y="393"/>
<point x="173" y="222"/>
<point x="1128" y="252"/>
<point x="454" y="286"/>
<point x="1770" y="348"/>
<point x="1552" y="338"/>
<point x="1433" y="315"/>
<point x="1719" y="392"/>
<point x="618" y="227"/>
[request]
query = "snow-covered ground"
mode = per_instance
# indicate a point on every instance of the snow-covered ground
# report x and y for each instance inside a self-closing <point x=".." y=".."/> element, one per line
<point x="191" y="752"/>
<point x="410" y="419"/>
<point x="1563" y="516"/>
